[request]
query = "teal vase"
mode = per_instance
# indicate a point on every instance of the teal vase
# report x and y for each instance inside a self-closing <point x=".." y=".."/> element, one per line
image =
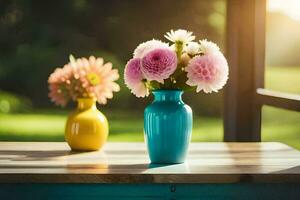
<point x="168" y="125"/>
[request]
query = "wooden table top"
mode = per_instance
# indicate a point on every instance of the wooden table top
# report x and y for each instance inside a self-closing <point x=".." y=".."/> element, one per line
<point x="53" y="162"/>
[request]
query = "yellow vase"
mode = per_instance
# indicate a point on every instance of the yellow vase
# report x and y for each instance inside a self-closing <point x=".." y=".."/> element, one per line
<point x="87" y="127"/>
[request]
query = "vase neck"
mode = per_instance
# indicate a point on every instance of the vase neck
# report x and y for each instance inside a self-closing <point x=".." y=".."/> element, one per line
<point x="167" y="95"/>
<point x="86" y="103"/>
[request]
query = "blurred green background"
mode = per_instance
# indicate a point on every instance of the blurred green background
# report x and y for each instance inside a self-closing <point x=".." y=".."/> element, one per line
<point x="37" y="36"/>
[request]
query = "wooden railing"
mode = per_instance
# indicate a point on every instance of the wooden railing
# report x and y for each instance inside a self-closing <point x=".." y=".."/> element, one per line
<point x="278" y="99"/>
<point x="245" y="94"/>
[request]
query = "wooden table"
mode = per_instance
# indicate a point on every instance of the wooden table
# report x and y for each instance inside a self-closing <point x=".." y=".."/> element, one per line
<point x="49" y="170"/>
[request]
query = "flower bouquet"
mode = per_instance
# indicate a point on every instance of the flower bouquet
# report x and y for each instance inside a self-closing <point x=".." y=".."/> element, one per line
<point x="166" y="71"/>
<point x="85" y="81"/>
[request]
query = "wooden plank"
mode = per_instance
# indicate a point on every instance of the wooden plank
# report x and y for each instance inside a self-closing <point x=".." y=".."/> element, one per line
<point x="53" y="162"/>
<point x="246" y="53"/>
<point x="149" y="191"/>
<point x="278" y="99"/>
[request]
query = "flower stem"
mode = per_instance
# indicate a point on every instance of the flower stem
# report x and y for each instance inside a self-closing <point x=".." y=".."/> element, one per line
<point x="178" y="49"/>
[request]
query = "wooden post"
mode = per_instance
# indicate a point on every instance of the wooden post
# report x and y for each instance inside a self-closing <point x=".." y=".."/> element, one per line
<point x="245" y="51"/>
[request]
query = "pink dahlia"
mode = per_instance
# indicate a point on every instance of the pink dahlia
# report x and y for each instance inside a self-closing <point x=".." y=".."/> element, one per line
<point x="134" y="78"/>
<point x="145" y="47"/>
<point x="159" y="64"/>
<point x="208" y="72"/>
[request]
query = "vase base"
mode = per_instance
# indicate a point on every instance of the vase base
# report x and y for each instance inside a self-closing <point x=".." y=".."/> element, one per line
<point x="83" y="150"/>
<point x="166" y="162"/>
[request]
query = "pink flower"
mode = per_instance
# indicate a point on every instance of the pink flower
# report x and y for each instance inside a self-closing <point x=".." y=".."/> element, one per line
<point x="159" y="64"/>
<point x="208" y="72"/>
<point x="58" y="85"/>
<point x="145" y="47"/>
<point x="83" y="78"/>
<point x="98" y="78"/>
<point x="134" y="78"/>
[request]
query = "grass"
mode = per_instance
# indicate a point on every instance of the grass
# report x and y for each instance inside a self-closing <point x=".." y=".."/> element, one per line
<point x="278" y="125"/>
<point x="50" y="127"/>
<point x="285" y="79"/>
<point x="281" y="125"/>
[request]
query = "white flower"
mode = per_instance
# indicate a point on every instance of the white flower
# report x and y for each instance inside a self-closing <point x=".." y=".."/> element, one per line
<point x="180" y="35"/>
<point x="173" y="47"/>
<point x="208" y="47"/>
<point x="146" y="47"/>
<point x="140" y="90"/>
<point x="192" y="48"/>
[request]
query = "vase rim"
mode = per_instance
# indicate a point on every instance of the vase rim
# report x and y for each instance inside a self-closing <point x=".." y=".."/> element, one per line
<point x="167" y="90"/>
<point x="86" y="98"/>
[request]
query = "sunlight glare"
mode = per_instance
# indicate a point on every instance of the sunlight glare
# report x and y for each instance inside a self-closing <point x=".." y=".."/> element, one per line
<point x="291" y="8"/>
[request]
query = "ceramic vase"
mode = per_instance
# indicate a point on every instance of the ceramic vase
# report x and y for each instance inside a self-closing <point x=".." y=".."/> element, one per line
<point x="167" y="127"/>
<point x="86" y="127"/>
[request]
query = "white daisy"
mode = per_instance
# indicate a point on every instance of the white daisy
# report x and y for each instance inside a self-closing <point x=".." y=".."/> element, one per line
<point x="192" y="48"/>
<point x="208" y="47"/>
<point x="180" y="35"/>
